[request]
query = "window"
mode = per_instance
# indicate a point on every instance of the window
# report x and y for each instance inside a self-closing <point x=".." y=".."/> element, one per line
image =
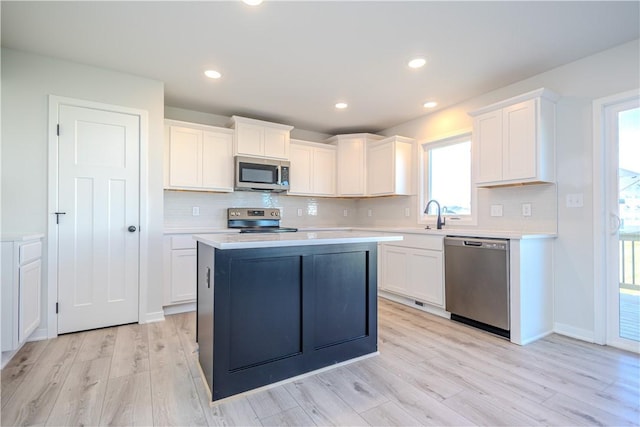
<point x="447" y="178"/>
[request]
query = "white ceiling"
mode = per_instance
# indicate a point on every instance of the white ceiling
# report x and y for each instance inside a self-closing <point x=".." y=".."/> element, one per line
<point x="290" y="62"/>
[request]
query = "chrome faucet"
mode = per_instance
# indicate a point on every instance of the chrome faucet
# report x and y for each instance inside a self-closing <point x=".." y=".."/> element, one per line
<point x="440" y="221"/>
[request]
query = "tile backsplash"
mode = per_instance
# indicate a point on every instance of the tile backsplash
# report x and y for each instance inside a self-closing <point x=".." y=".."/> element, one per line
<point x="314" y="211"/>
<point x="393" y="211"/>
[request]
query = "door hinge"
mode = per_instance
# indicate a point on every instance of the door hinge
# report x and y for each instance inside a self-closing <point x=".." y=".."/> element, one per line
<point x="58" y="129"/>
<point x="56" y="308"/>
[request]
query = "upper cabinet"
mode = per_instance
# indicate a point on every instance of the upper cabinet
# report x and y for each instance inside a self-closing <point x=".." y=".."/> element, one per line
<point x="352" y="163"/>
<point x="313" y="169"/>
<point x="514" y="140"/>
<point x="260" y="138"/>
<point x="198" y="157"/>
<point x="390" y="167"/>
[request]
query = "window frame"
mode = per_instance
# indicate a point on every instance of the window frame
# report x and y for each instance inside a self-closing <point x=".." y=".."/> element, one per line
<point x="423" y="196"/>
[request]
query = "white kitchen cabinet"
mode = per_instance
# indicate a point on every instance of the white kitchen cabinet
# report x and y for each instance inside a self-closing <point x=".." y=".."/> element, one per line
<point x="198" y="157"/>
<point x="261" y="139"/>
<point x="514" y="140"/>
<point x="21" y="289"/>
<point x="413" y="268"/>
<point x="390" y="167"/>
<point x="313" y="169"/>
<point x="352" y="163"/>
<point x="180" y="259"/>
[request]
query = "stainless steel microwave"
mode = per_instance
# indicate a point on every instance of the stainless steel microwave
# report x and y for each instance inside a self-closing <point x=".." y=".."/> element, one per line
<point x="258" y="174"/>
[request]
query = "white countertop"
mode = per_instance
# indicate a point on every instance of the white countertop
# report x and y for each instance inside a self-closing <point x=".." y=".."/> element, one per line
<point x="301" y="238"/>
<point x="21" y="237"/>
<point x="466" y="232"/>
<point x="217" y="230"/>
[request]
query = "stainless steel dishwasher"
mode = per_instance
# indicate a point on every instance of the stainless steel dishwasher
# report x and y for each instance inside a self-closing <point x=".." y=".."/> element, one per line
<point x="477" y="282"/>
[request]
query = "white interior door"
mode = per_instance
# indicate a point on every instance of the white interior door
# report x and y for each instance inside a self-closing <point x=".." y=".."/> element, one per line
<point x="98" y="191"/>
<point x="622" y="176"/>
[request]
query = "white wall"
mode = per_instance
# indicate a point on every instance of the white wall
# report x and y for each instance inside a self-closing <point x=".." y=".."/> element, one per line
<point x="579" y="83"/>
<point x="27" y="81"/>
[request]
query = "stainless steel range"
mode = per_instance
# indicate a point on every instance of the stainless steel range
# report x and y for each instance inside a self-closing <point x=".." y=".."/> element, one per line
<point x="256" y="220"/>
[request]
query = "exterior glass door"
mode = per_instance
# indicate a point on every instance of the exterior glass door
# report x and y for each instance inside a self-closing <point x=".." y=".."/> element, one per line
<point x="627" y="221"/>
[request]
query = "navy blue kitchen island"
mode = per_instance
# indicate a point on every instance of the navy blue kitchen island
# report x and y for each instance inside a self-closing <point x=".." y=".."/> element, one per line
<point x="272" y="307"/>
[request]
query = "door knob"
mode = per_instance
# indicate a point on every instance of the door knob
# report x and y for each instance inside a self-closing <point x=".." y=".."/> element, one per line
<point x="132" y="228"/>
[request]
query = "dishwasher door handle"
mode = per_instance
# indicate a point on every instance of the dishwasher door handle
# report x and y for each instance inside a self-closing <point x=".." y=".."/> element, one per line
<point x="472" y="243"/>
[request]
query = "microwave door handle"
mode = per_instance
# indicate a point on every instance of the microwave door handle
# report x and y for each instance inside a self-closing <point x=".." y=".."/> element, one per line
<point x="279" y="169"/>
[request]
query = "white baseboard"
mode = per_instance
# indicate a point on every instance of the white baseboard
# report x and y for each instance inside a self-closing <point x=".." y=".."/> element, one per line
<point x="156" y="316"/>
<point x="533" y="338"/>
<point x="426" y="307"/>
<point x="573" y="332"/>
<point x="39" y="334"/>
<point x="179" y="308"/>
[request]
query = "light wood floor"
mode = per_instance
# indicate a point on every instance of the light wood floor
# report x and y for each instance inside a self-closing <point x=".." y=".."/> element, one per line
<point x="431" y="371"/>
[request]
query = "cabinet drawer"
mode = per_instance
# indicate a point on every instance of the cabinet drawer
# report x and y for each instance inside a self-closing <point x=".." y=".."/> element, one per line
<point x="30" y="251"/>
<point x="417" y="241"/>
<point x="183" y="242"/>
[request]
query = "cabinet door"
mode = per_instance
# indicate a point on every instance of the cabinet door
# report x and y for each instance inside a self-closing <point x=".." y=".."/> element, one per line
<point x="351" y="167"/>
<point x="519" y="141"/>
<point x="250" y="139"/>
<point x="301" y="157"/>
<point x="425" y="282"/>
<point x="185" y="157"/>
<point x="276" y="143"/>
<point x="381" y="169"/>
<point x="324" y="172"/>
<point x="183" y="275"/>
<point x="217" y="161"/>
<point x="487" y="147"/>
<point x="29" y="299"/>
<point x="394" y="271"/>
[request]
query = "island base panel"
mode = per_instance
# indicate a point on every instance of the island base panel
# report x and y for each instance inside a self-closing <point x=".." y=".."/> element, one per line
<point x="279" y="313"/>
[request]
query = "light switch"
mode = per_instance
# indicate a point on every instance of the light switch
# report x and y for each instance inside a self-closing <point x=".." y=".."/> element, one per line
<point x="195" y="211"/>
<point x="407" y="212"/>
<point x="496" y="210"/>
<point x="369" y="212"/>
<point x="299" y="211"/>
<point x="345" y="212"/>
<point x="526" y="209"/>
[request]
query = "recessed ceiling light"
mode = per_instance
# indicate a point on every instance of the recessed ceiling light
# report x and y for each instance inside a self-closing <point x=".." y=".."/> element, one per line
<point x="417" y="62"/>
<point x="212" y="74"/>
<point x="252" y="2"/>
<point x="341" y="105"/>
<point x="430" y="104"/>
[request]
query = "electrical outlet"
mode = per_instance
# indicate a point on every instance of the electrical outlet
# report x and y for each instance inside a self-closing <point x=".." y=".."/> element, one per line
<point x="407" y="212"/>
<point x="195" y="211"/>
<point x="345" y="212"/>
<point x="575" y="200"/>
<point x="496" y="210"/>
<point x="369" y="212"/>
<point x="526" y="209"/>
<point x="299" y="211"/>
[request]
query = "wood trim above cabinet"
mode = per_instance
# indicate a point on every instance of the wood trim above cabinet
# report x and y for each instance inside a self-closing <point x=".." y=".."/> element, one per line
<point x="538" y="93"/>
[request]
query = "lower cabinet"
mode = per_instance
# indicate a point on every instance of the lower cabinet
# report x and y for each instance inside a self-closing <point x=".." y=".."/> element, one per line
<point x="179" y="269"/>
<point x="413" y="268"/>
<point x="21" y="290"/>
